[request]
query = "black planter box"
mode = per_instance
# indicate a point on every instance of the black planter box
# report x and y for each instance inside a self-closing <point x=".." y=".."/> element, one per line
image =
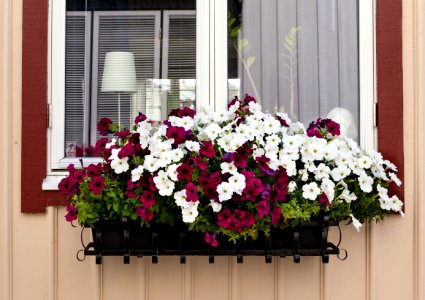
<point x="129" y="239"/>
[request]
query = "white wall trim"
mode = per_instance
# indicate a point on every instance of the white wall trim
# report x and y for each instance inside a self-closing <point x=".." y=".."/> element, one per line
<point x="219" y="52"/>
<point x="203" y="53"/>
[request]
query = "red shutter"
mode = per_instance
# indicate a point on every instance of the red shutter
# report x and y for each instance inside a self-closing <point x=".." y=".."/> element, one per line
<point x="34" y="97"/>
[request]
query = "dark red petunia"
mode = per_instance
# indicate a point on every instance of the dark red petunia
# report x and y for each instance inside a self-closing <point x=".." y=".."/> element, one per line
<point x="147" y="199"/>
<point x="68" y="186"/>
<point x="126" y="151"/>
<point x="103" y="126"/>
<point x="177" y="133"/>
<point x="71" y="213"/>
<point x="184" y="172"/>
<point x="207" y="149"/>
<point x="97" y="185"/>
<point x="263" y="209"/>
<point x="144" y="213"/>
<point x="276" y="215"/>
<point x="140" y="118"/>
<point x="94" y="170"/>
<point x="210" y="239"/>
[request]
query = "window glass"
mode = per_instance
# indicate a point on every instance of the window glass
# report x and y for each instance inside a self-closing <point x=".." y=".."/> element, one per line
<point x="297" y="56"/>
<point x="125" y="57"/>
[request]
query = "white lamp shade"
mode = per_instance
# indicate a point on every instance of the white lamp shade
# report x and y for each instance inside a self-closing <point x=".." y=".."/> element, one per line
<point x="119" y="73"/>
<point x="346" y="120"/>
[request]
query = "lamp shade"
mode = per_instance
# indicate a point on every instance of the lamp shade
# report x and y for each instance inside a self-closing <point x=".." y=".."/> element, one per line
<point x="119" y="73"/>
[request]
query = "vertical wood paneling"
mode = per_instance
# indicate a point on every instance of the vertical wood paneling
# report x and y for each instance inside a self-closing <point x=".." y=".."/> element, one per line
<point x="338" y="273"/>
<point x="165" y="279"/>
<point x="308" y="65"/>
<point x="257" y="279"/>
<point x="118" y="278"/>
<point x="68" y="244"/>
<point x="210" y="281"/>
<point x="302" y="281"/>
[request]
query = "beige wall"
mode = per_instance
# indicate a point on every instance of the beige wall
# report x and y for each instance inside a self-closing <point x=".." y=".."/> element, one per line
<point x="37" y="252"/>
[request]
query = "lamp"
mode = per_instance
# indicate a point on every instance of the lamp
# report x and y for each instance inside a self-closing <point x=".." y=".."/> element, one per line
<point x="119" y="75"/>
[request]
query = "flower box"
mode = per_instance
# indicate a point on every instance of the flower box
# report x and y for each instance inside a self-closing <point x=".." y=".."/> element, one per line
<point x="232" y="180"/>
<point x="129" y="239"/>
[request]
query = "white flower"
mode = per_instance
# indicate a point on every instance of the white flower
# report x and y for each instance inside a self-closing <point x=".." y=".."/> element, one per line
<point x="304" y="174"/>
<point x="111" y="143"/>
<point x="180" y="198"/>
<point x="328" y="187"/>
<point x="273" y="141"/>
<point x="289" y="165"/>
<point x="330" y="152"/>
<point x="246" y="131"/>
<point x="160" y="178"/>
<point x="345" y="158"/>
<point x="364" y="162"/>
<point x="225" y="191"/>
<point x="212" y="131"/>
<point x="354" y="166"/>
<point x="347" y="196"/>
<point x="385" y="203"/>
<point x="216" y="206"/>
<point x="237" y="141"/>
<point x="120" y="165"/>
<point x="390" y="165"/>
<point x="340" y="172"/>
<point x="186" y="122"/>
<point x="225" y="142"/>
<point x="166" y="189"/>
<point x="190" y="212"/>
<point x="394" y="178"/>
<point x="136" y="173"/>
<point x="271" y="125"/>
<point x="238" y="183"/>
<point x="356" y="223"/>
<point x="221" y="116"/>
<point x="258" y="152"/>
<point x="192" y="146"/>
<point x="311" y="191"/>
<point x="228" y="168"/>
<point x="172" y="171"/>
<point x="292" y="142"/>
<point x="322" y="171"/>
<point x="396" y="204"/>
<point x="292" y="186"/>
<point x="176" y="154"/>
<point x="365" y="182"/>
<point x="151" y="163"/>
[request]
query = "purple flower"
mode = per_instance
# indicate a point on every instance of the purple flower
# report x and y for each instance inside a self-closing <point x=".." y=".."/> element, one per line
<point x="97" y="185"/>
<point x="210" y="239"/>
<point x="71" y="213"/>
<point x="144" y="213"/>
<point x="191" y="192"/>
<point x="263" y="209"/>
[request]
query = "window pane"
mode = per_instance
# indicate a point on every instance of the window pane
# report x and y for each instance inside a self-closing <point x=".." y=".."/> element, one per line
<point x="122" y="58"/>
<point x="298" y="57"/>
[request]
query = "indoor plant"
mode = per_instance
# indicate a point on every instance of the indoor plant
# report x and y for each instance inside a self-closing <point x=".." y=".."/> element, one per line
<point x="235" y="173"/>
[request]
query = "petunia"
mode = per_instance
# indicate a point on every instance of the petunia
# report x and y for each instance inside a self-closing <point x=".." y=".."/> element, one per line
<point x="97" y="185"/>
<point x="71" y="214"/>
<point x="144" y="213"/>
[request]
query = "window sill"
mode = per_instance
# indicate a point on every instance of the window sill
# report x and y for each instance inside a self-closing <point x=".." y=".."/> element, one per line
<point x="50" y="183"/>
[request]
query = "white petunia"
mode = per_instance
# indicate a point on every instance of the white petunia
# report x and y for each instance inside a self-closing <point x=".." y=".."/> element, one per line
<point x="228" y="168"/>
<point x="292" y="186"/>
<point x="212" y="131"/>
<point x="192" y="146"/>
<point x="136" y="173"/>
<point x="322" y="171"/>
<point x="394" y="178"/>
<point x="273" y="141"/>
<point x="221" y="116"/>
<point x="186" y="122"/>
<point x="167" y="188"/>
<point x="289" y="165"/>
<point x="328" y="187"/>
<point x="120" y="165"/>
<point x="225" y="142"/>
<point x="151" y="163"/>
<point x="238" y="183"/>
<point x="390" y="165"/>
<point x="396" y="204"/>
<point x="176" y="154"/>
<point x="271" y="125"/>
<point x="225" y="191"/>
<point x="347" y="196"/>
<point x="365" y="182"/>
<point x="304" y="174"/>
<point x="190" y="213"/>
<point x="172" y="171"/>
<point x="356" y="223"/>
<point x="340" y="172"/>
<point x="111" y="143"/>
<point x="180" y="198"/>
<point x="364" y="162"/>
<point x="311" y="191"/>
<point x="216" y="206"/>
<point x="330" y="152"/>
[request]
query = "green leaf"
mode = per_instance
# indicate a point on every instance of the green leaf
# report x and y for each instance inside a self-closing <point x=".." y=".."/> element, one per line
<point x="250" y="61"/>
<point x="231" y="22"/>
<point x="234" y="32"/>
<point x="242" y="44"/>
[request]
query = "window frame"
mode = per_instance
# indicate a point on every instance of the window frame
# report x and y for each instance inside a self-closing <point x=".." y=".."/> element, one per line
<point x="38" y="58"/>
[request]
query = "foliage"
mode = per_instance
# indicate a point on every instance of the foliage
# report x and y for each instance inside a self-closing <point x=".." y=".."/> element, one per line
<point x="235" y="173"/>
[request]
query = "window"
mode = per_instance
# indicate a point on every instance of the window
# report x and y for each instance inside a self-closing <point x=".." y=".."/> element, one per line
<point x="300" y="57"/>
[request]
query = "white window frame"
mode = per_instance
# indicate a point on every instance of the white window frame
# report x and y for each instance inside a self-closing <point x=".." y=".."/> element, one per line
<point x="211" y="75"/>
